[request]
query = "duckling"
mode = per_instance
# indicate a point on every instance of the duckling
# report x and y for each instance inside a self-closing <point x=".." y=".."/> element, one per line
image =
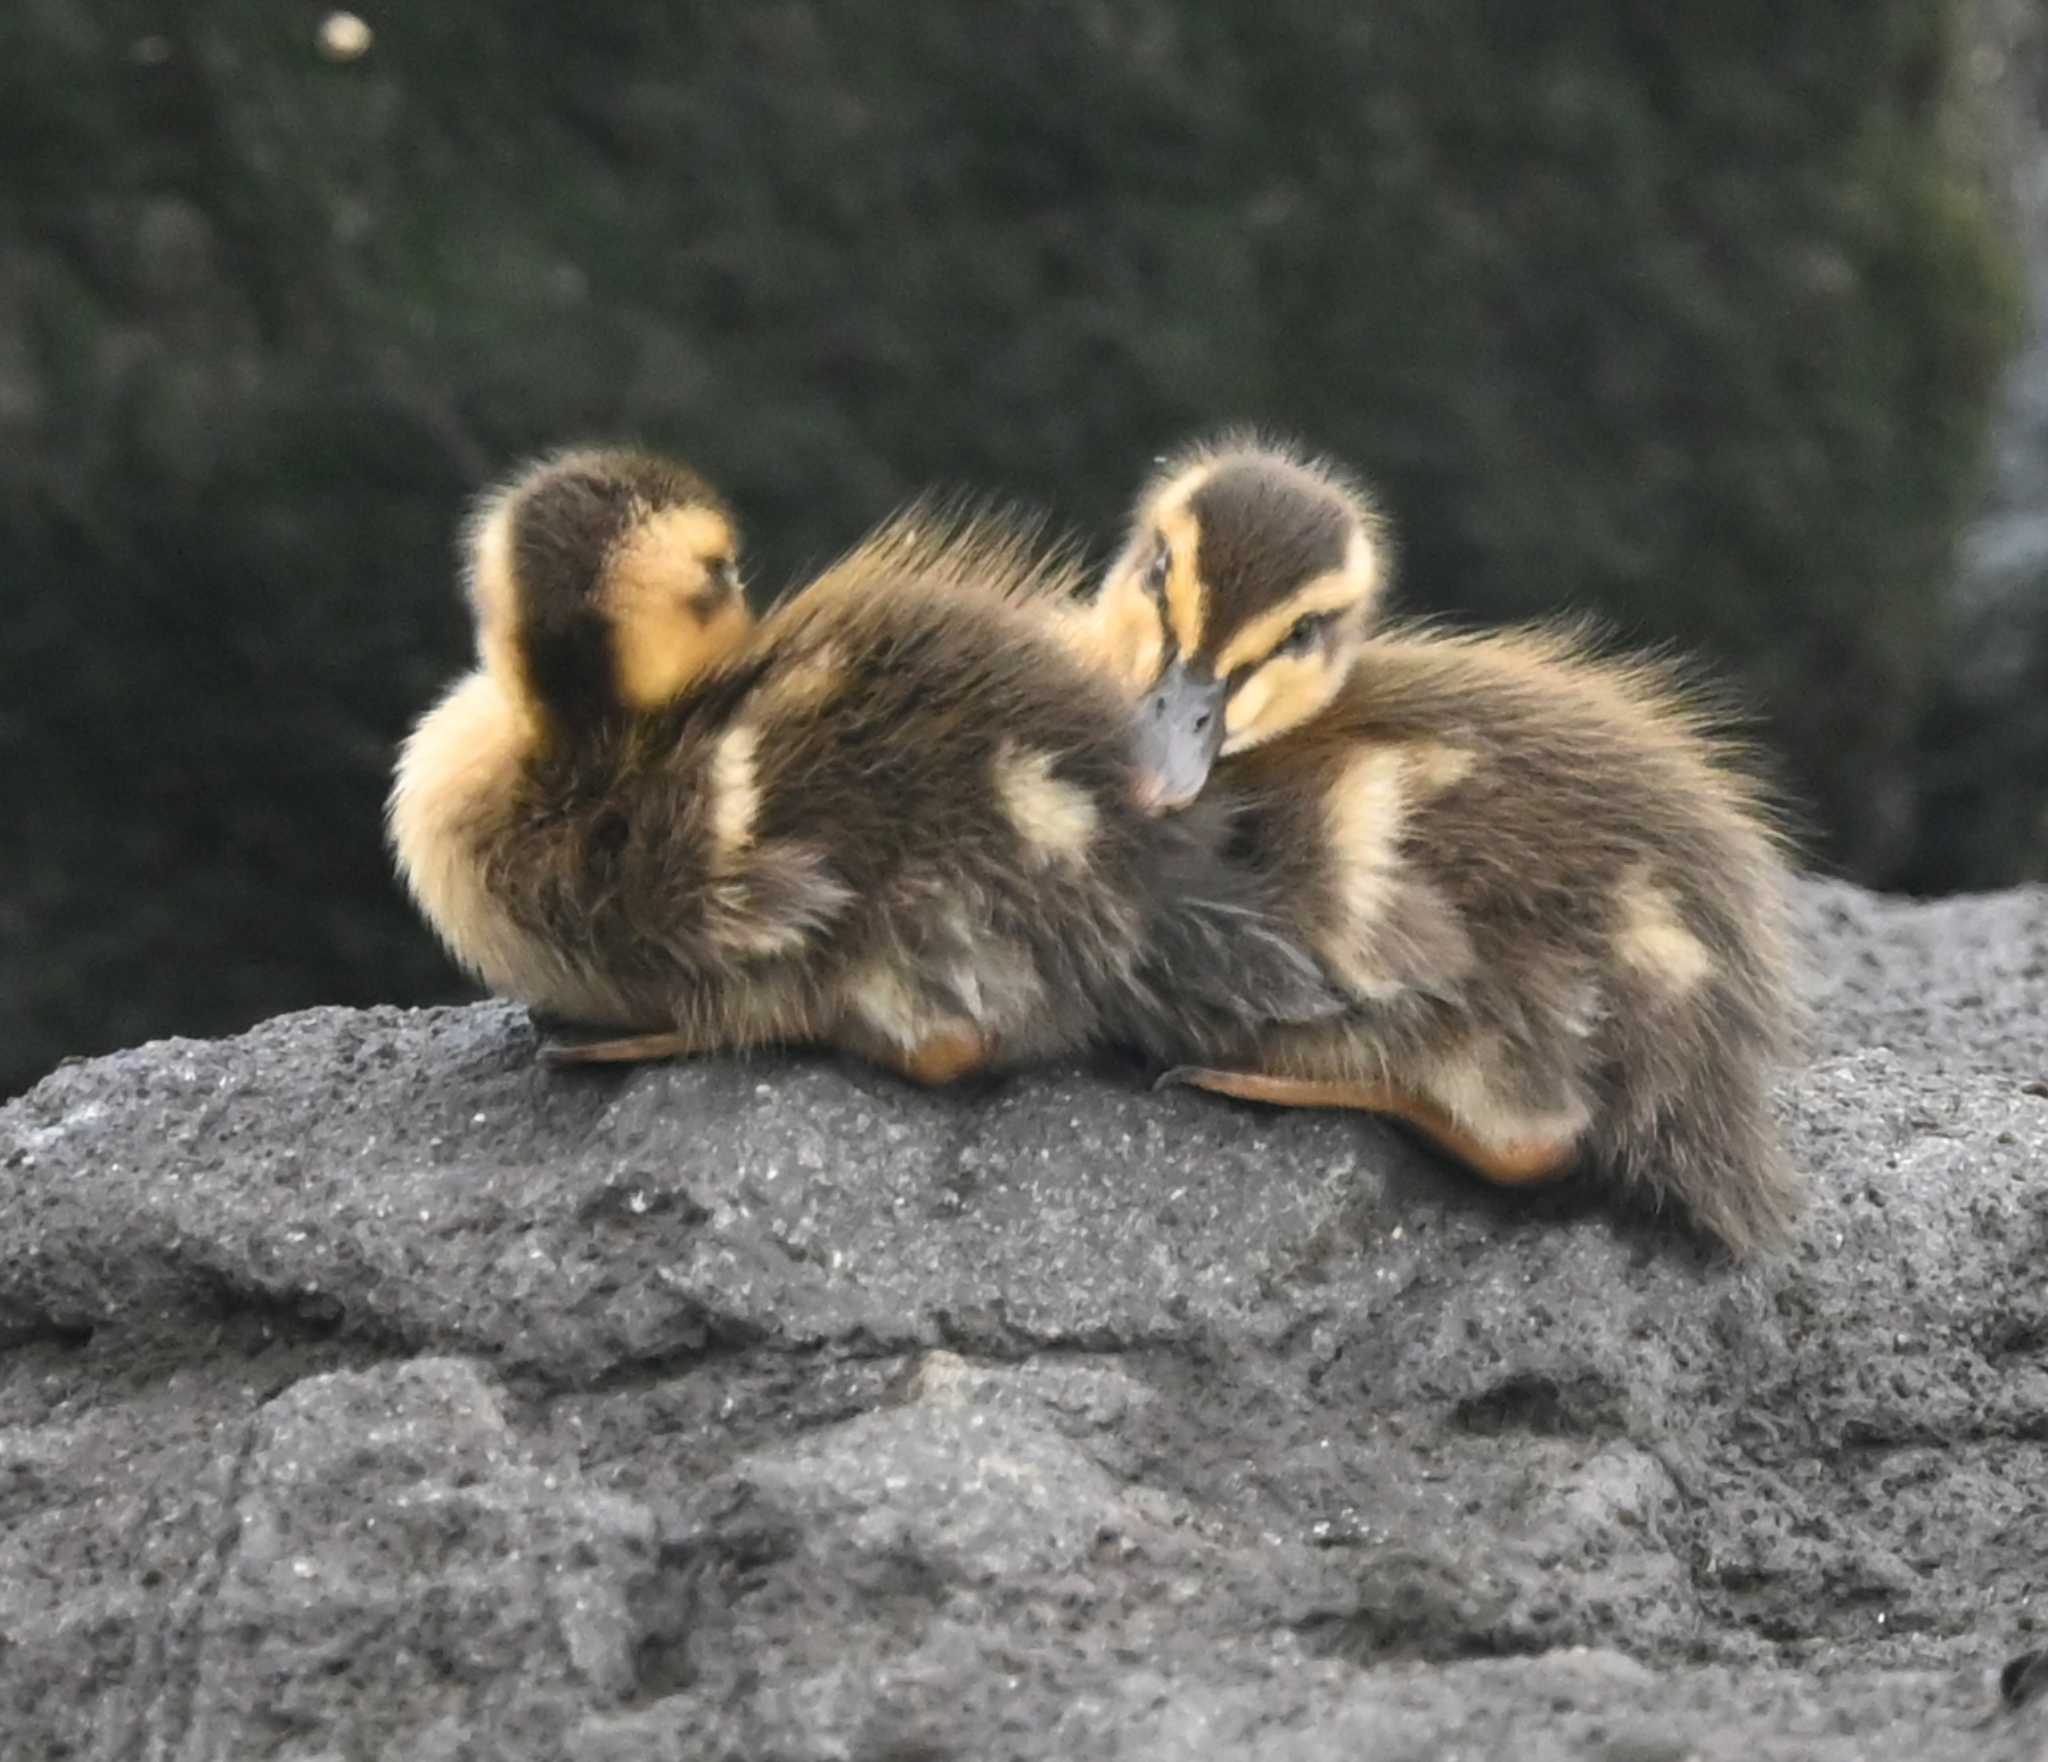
<point x="895" y="816"/>
<point x="1554" y="893"/>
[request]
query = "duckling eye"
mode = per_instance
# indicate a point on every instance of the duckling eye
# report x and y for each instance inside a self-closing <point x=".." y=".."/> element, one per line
<point x="1155" y="576"/>
<point x="1307" y="632"/>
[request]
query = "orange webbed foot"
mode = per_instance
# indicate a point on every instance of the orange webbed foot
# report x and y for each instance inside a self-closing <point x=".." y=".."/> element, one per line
<point x="1517" y="1162"/>
<point x="627" y="1049"/>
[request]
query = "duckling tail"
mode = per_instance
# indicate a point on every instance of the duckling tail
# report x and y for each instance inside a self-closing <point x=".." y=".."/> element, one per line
<point x="1706" y="1145"/>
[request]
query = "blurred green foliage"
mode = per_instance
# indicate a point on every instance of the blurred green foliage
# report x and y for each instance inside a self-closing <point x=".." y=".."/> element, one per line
<point x="1686" y="312"/>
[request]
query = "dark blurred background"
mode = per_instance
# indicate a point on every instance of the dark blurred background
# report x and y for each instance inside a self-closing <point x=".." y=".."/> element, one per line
<point x="1712" y="315"/>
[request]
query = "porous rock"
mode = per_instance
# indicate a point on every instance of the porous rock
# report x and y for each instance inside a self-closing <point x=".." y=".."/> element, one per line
<point x="370" y="1391"/>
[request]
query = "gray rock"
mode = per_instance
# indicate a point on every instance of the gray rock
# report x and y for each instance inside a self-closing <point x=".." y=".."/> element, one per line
<point x="371" y="1392"/>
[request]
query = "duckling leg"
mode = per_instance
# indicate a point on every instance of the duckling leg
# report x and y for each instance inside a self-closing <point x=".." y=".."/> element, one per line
<point x="627" y="1049"/>
<point x="1513" y="1162"/>
<point x="941" y="1058"/>
<point x="945" y="1057"/>
<point x="888" y="1021"/>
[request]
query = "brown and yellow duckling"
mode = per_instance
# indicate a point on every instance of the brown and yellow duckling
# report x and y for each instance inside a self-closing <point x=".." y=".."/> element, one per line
<point x="896" y="815"/>
<point x="1554" y="895"/>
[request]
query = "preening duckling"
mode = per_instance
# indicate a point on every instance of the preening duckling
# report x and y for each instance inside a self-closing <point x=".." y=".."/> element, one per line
<point x="896" y="816"/>
<point x="601" y="583"/>
<point x="1554" y="895"/>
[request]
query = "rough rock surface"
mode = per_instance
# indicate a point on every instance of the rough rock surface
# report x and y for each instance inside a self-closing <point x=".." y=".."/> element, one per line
<point x="370" y="1392"/>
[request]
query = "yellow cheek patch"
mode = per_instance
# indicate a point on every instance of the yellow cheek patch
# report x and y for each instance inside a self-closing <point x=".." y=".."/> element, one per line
<point x="1281" y="695"/>
<point x="1147" y="654"/>
<point x="665" y="557"/>
<point x="1249" y="702"/>
<point x="655" y="584"/>
<point x="662" y="646"/>
<point x="1120" y="634"/>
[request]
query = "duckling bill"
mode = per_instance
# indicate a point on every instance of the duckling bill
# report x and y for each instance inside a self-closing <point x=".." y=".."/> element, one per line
<point x="896" y="815"/>
<point x="1553" y="893"/>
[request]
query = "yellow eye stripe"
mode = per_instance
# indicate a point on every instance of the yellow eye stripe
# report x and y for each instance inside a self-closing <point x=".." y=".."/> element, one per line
<point x="1185" y="600"/>
<point x="1337" y="591"/>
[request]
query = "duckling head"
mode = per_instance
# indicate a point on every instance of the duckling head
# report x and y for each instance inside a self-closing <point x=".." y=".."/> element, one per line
<point x="1237" y="606"/>
<point x="603" y="583"/>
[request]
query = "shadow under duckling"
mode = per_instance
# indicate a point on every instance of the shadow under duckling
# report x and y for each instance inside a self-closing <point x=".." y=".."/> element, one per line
<point x="1555" y="895"/>
<point x="895" y="816"/>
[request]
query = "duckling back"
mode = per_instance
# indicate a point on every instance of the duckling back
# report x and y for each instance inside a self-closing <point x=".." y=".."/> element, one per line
<point x="1554" y="889"/>
<point x="947" y="798"/>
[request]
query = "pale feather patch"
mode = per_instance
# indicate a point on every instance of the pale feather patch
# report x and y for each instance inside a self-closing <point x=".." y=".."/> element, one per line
<point x="1394" y="931"/>
<point x="732" y="927"/>
<point x="1363" y="816"/>
<point x="879" y="996"/>
<point x="1656" y="944"/>
<point x="1434" y="766"/>
<point x="806" y="685"/>
<point x="735" y="791"/>
<point x="774" y="901"/>
<point x="1056" y="819"/>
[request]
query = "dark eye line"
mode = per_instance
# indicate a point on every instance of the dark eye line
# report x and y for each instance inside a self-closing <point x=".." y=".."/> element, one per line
<point x="721" y="576"/>
<point x="1307" y="626"/>
<point x="1158" y="570"/>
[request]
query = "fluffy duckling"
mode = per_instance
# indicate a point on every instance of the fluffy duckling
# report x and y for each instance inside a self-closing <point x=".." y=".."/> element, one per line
<point x="1555" y="896"/>
<point x="895" y="816"/>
